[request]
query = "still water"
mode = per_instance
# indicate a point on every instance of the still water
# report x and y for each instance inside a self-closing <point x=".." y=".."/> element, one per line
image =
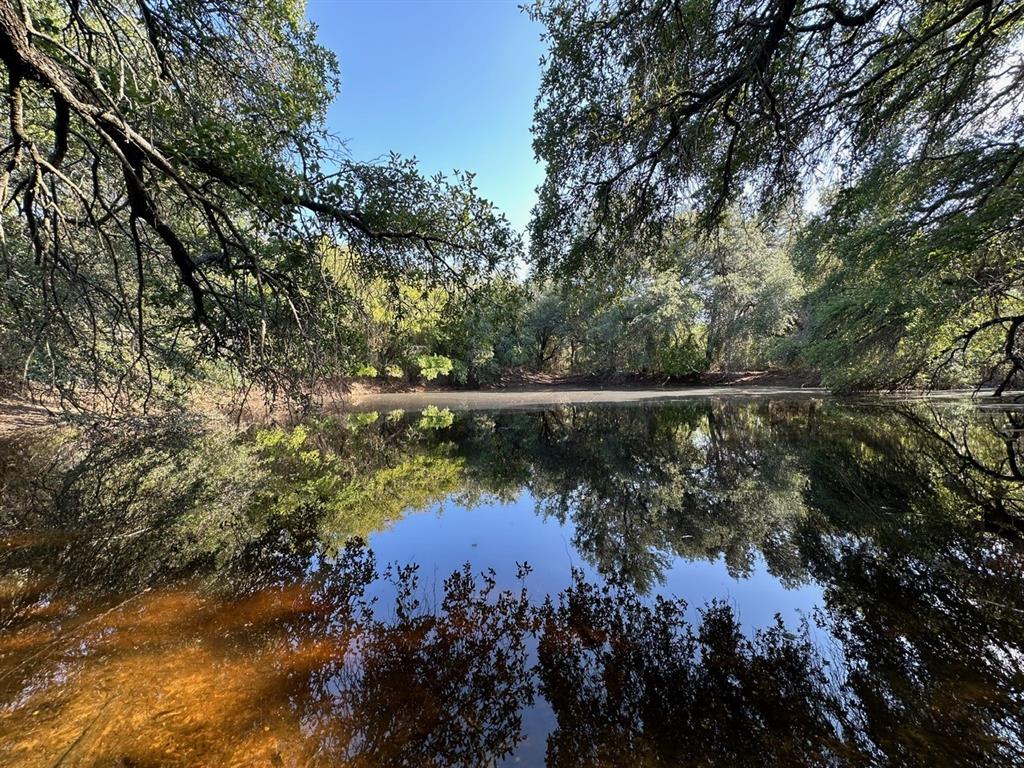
<point x="718" y="582"/>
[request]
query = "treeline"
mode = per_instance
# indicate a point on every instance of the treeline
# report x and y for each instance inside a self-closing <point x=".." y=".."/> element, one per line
<point x="742" y="297"/>
<point x="835" y="187"/>
<point x="730" y="302"/>
<point x="894" y="127"/>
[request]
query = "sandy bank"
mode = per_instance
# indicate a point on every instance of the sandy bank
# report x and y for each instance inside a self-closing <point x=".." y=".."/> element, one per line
<point x="542" y="397"/>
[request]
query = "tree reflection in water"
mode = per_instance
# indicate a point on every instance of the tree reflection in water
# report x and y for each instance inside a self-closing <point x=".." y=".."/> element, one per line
<point x="182" y="597"/>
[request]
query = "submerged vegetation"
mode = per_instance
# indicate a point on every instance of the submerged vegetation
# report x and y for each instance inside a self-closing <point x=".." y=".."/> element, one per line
<point x="832" y="189"/>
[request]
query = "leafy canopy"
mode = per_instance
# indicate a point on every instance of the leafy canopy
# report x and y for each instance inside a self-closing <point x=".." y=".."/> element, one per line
<point x="167" y="184"/>
<point x="901" y="119"/>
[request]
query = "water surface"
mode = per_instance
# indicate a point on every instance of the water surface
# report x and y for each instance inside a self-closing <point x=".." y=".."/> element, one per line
<point x="782" y="581"/>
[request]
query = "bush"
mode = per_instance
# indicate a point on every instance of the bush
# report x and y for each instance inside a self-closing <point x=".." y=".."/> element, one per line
<point x="432" y="366"/>
<point x="679" y="360"/>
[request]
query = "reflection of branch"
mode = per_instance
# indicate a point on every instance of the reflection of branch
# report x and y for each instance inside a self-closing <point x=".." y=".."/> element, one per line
<point x="963" y="453"/>
<point x="996" y="516"/>
<point x="1010" y="350"/>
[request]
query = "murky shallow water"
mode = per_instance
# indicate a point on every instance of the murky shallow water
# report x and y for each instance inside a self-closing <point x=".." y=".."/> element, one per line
<point x="782" y="582"/>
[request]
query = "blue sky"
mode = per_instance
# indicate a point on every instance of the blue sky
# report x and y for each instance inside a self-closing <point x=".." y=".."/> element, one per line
<point x="451" y="83"/>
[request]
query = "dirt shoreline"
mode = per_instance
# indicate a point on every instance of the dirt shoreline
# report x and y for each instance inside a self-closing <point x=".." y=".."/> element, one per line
<point x="542" y="397"/>
<point x="19" y="415"/>
<point x="22" y="415"/>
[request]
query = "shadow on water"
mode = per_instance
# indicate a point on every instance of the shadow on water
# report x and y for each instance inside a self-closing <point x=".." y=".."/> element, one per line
<point x="173" y="595"/>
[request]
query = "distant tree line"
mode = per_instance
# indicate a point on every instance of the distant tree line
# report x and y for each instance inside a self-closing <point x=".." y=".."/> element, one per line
<point x="728" y="303"/>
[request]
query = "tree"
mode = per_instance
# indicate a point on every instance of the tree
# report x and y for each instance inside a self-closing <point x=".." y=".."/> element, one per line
<point x="912" y="285"/>
<point x="695" y="303"/>
<point x="167" y="183"/>
<point x="548" y="323"/>
<point x="746" y="286"/>
<point x="483" y="334"/>
<point x="649" y="107"/>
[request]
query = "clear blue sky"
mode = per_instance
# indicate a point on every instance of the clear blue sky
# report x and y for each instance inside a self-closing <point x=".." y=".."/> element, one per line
<point x="451" y="83"/>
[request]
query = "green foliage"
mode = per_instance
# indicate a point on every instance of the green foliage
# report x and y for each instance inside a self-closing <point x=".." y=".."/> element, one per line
<point x="434" y="418"/>
<point x="681" y="359"/>
<point x="410" y="325"/>
<point x="356" y="421"/>
<point x="187" y="217"/>
<point x="724" y="302"/>
<point x="186" y="196"/>
<point x="901" y="299"/>
<point x="432" y="366"/>
<point x="901" y="118"/>
<point x="483" y="336"/>
<point x="749" y="291"/>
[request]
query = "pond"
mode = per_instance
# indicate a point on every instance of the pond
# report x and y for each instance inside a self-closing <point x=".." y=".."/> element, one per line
<point x="769" y="581"/>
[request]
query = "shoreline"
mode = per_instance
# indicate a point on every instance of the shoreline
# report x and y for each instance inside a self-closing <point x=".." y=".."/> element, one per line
<point x="527" y="397"/>
<point x="21" y="415"/>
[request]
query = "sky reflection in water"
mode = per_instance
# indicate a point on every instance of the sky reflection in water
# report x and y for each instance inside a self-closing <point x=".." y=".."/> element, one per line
<point x="498" y="535"/>
<point x="179" y="596"/>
